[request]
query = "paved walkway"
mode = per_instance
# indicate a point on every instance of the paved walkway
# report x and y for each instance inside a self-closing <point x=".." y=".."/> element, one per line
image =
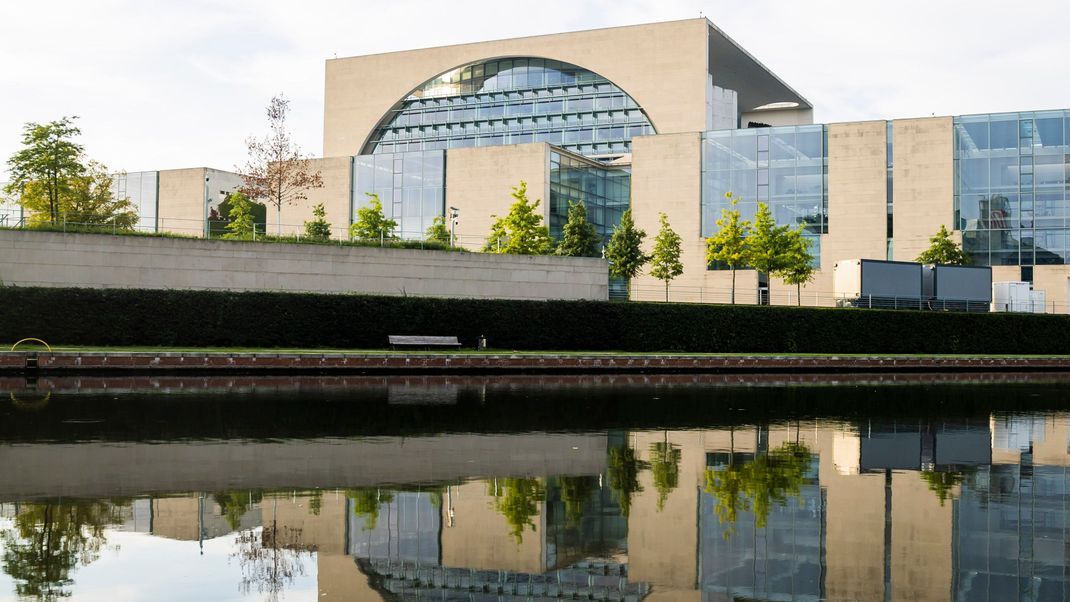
<point x="77" y="362"/>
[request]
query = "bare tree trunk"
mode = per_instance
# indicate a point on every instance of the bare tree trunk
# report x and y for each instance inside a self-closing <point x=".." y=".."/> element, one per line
<point x="666" y="291"/>
<point x="733" y="285"/>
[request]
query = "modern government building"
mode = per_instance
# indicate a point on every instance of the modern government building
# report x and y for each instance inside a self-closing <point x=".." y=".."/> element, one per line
<point x="664" y="117"/>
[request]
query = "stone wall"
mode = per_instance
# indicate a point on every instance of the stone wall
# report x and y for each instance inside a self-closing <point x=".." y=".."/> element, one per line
<point x="102" y="261"/>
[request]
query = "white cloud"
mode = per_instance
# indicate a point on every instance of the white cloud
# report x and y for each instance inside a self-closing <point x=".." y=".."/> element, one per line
<point x="182" y="83"/>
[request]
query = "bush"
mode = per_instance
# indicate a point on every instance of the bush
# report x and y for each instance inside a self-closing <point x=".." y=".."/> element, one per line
<point x="267" y="319"/>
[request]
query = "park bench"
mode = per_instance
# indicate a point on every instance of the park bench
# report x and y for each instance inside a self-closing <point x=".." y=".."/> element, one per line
<point x="399" y="340"/>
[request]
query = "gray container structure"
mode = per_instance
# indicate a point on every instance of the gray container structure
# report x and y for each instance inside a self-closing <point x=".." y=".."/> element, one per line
<point x="873" y="283"/>
<point x="958" y="287"/>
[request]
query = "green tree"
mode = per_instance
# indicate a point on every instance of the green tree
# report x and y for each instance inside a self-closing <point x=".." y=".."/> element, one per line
<point x="730" y="245"/>
<point x="624" y="251"/>
<point x="241" y="226"/>
<point x="623" y="473"/>
<point x="319" y="228"/>
<point x="517" y="499"/>
<point x="578" y="236"/>
<point x="665" y="466"/>
<point x="944" y="250"/>
<point x="521" y="231"/>
<point x="89" y="200"/>
<point x="438" y="231"/>
<point x="49" y="159"/>
<point x="48" y="540"/>
<point x="798" y="268"/>
<point x="372" y="223"/>
<point x="366" y="503"/>
<point x="665" y="260"/>
<point x="768" y="242"/>
<point x="769" y="479"/>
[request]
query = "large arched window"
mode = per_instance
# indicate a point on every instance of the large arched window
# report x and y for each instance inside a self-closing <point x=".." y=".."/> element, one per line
<point x="514" y="101"/>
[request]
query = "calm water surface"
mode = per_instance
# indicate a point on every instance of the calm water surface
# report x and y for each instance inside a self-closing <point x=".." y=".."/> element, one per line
<point x="675" y="488"/>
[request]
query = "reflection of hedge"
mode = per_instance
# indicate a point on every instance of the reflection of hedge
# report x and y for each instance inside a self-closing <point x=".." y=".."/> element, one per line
<point x="202" y="318"/>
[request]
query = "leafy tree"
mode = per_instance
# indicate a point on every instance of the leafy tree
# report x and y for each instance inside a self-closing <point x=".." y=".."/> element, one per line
<point x="578" y="236"/>
<point x="624" y="251"/>
<point x="665" y="465"/>
<point x="90" y="201"/>
<point x="575" y="491"/>
<point x="438" y="231"/>
<point x="521" y="231"/>
<point x="665" y="260"/>
<point x="798" y="268"/>
<point x="366" y="503"/>
<point x="277" y="172"/>
<point x="319" y="228"/>
<point x="517" y="499"/>
<point x="241" y="226"/>
<point x="623" y="473"/>
<point x="219" y="217"/>
<point x="730" y="245"/>
<point x="371" y="222"/>
<point x="49" y="159"/>
<point x="943" y="250"/>
<point x="48" y="540"/>
<point x="770" y="478"/>
<point x="768" y="242"/>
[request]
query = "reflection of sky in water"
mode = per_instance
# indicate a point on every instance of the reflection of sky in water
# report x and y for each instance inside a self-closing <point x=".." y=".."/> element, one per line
<point x="139" y="566"/>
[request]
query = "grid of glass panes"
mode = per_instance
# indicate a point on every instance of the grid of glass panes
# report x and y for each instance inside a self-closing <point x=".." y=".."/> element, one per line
<point x="10" y="209"/>
<point x="784" y="167"/>
<point x="411" y="187"/>
<point x="141" y="187"/>
<point x="515" y="101"/>
<point x="605" y="192"/>
<point x="1012" y="179"/>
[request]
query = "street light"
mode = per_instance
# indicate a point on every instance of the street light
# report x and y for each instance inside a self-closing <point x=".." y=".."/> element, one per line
<point x="454" y="213"/>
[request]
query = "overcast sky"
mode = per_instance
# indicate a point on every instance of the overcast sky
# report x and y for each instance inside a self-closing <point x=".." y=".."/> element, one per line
<point x="160" y="85"/>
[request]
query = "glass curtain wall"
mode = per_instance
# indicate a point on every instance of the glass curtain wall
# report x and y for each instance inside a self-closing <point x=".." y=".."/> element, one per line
<point x="142" y="188"/>
<point x="411" y="186"/>
<point x="783" y="167"/>
<point x="604" y="191"/>
<point x="1011" y="187"/>
<point x="514" y="101"/>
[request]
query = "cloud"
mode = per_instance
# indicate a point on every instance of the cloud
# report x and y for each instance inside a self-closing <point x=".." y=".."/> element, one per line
<point x="182" y="83"/>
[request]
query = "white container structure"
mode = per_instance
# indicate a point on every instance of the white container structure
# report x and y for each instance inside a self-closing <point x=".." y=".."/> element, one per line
<point x="1017" y="297"/>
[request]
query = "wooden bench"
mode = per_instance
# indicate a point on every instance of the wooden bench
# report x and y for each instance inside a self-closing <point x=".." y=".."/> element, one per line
<point x="399" y="340"/>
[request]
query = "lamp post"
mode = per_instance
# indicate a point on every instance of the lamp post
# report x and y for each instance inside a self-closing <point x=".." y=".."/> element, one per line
<point x="454" y="213"/>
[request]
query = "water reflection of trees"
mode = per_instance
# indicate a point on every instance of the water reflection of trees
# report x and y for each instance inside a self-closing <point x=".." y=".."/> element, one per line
<point x="665" y="466"/>
<point x="575" y="492"/>
<point x="942" y="483"/>
<point x="756" y="485"/>
<point x="517" y="499"/>
<point x="48" y="540"/>
<point x="366" y="503"/>
<point x="234" y="504"/>
<point x="623" y="473"/>
<point x="270" y="557"/>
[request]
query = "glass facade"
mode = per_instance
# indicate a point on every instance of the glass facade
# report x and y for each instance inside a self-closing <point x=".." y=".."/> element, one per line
<point x="514" y="101"/>
<point x="142" y="188"/>
<point x="1012" y="181"/>
<point x="604" y="191"/>
<point x="411" y="186"/>
<point x="783" y="167"/>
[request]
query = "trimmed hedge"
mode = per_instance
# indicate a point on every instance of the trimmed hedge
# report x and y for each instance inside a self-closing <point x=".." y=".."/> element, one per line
<point x="262" y="319"/>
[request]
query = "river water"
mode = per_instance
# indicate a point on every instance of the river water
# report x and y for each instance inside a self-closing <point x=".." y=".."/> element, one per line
<point x="621" y="488"/>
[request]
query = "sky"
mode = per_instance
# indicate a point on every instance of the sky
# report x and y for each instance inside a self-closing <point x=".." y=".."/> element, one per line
<point x="166" y="84"/>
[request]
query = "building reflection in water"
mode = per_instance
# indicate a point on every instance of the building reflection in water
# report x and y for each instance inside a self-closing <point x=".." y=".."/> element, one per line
<point x="978" y="508"/>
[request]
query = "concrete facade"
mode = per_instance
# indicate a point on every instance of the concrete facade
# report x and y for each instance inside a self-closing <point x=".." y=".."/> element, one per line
<point x="101" y="261"/>
<point x="479" y="182"/>
<point x="674" y="99"/>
